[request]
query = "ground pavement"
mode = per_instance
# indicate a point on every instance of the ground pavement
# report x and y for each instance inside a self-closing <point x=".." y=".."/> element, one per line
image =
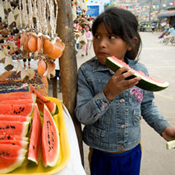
<point x="160" y="61"/>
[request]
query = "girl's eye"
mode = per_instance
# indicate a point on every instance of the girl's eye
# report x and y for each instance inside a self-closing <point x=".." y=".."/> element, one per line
<point x="112" y="37"/>
<point x="97" y="36"/>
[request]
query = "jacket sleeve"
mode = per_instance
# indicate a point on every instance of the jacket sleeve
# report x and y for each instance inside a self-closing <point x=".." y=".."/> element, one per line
<point x="89" y="107"/>
<point x="151" y="113"/>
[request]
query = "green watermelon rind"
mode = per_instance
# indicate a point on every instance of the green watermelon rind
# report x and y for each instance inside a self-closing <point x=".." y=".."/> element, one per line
<point x="53" y="163"/>
<point x="18" y="163"/>
<point x="145" y="83"/>
<point x="170" y="144"/>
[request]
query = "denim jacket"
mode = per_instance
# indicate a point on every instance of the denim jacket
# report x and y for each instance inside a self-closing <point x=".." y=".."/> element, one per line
<point x="113" y="126"/>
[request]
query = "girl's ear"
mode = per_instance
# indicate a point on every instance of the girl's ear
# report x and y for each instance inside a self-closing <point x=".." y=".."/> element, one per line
<point x="134" y="42"/>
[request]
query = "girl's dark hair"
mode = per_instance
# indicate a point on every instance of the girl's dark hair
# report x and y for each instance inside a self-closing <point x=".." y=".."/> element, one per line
<point x="123" y="24"/>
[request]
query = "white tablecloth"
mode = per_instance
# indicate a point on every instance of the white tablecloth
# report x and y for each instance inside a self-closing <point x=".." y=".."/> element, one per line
<point x="74" y="166"/>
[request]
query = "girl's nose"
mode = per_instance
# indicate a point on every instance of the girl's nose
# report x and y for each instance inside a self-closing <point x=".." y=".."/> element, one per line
<point x="103" y="43"/>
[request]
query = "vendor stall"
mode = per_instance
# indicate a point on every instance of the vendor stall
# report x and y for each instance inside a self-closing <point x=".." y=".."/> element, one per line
<point x="33" y="37"/>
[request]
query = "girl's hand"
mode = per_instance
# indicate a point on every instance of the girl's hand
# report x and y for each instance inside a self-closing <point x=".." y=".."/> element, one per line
<point x="118" y="83"/>
<point x="169" y="133"/>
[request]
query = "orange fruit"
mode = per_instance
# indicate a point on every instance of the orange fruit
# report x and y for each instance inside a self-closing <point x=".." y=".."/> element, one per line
<point x="56" y="52"/>
<point x="47" y="46"/>
<point x="42" y="67"/>
<point x="32" y="43"/>
<point x="39" y="44"/>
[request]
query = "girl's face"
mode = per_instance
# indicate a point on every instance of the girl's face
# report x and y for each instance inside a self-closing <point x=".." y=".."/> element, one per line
<point x="107" y="44"/>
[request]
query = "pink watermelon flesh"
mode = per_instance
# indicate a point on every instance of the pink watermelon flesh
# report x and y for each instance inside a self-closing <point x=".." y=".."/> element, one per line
<point x="20" y="143"/>
<point x="13" y="137"/>
<point x="50" y="140"/>
<point x="19" y="101"/>
<point x="24" y="109"/>
<point x="40" y="100"/>
<point x="9" y="150"/>
<point x="146" y="83"/>
<point x="35" y="138"/>
<point x="8" y="164"/>
<point x="11" y="157"/>
<point x="4" y="117"/>
<point x="14" y="128"/>
<point x="17" y="96"/>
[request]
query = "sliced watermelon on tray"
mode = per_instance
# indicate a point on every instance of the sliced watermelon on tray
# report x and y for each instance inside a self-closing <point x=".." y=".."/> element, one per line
<point x="50" y="140"/>
<point x="11" y="157"/>
<point x="13" y="137"/>
<point x="8" y="164"/>
<point x="14" y="128"/>
<point x="4" y="117"/>
<point x="17" y="96"/>
<point x="41" y="100"/>
<point x="24" y="109"/>
<point x="21" y="143"/>
<point x="35" y="138"/>
<point x="146" y="83"/>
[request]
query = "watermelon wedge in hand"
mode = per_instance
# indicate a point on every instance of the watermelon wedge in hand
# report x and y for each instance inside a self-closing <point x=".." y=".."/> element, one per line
<point x="146" y="83"/>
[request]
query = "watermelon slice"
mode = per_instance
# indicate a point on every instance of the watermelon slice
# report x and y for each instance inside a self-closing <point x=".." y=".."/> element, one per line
<point x="20" y="143"/>
<point x="8" y="150"/>
<point x="40" y="100"/>
<point x="11" y="157"/>
<point x="146" y="83"/>
<point x="19" y="101"/>
<point x="14" y="128"/>
<point x="35" y="138"/>
<point x="4" y="117"/>
<point x="24" y="109"/>
<point x="13" y="137"/>
<point x="8" y="164"/>
<point x="17" y="96"/>
<point x="50" y="140"/>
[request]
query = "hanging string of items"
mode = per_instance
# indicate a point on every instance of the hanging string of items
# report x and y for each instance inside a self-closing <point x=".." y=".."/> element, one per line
<point x="28" y="31"/>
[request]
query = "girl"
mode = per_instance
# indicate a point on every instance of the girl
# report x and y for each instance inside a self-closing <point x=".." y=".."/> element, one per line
<point x="88" y="35"/>
<point x="107" y="103"/>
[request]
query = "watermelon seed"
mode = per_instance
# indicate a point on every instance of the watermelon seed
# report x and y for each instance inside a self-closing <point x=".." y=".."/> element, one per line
<point x="33" y="146"/>
<point x="7" y="127"/>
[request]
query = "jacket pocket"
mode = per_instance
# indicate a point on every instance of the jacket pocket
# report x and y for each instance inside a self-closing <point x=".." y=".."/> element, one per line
<point x="136" y="117"/>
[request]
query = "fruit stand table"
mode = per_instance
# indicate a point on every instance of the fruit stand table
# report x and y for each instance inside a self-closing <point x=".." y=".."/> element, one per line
<point x="74" y="166"/>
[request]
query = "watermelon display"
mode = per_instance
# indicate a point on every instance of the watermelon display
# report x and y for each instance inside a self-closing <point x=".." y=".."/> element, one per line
<point x="19" y="118"/>
<point x="13" y="137"/>
<point x="8" y="164"/>
<point x="50" y="140"/>
<point x="35" y="138"/>
<point x="21" y="143"/>
<point x="19" y="114"/>
<point x="40" y="100"/>
<point x="14" y="128"/>
<point x="9" y="150"/>
<point x="11" y="157"/>
<point x="18" y="96"/>
<point x="146" y="83"/>
<point x="24" y="109"/>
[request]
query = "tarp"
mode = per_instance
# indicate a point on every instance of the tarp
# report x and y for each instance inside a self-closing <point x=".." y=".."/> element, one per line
<point x="166" y="13"/>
